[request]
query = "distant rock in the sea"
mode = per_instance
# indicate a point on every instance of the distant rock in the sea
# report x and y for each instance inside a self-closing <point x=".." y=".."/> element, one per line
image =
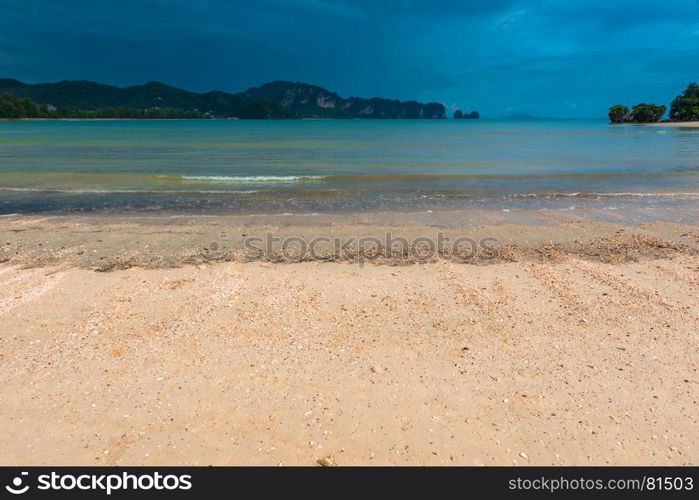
<point x="311" y="101"/>
<point x="460" y="115"/>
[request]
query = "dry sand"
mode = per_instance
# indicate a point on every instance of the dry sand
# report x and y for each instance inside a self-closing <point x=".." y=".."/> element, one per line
<point x="577" y="345"/>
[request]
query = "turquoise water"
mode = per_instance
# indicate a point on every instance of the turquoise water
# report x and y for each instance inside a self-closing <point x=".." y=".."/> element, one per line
<point x="340" y="165"/>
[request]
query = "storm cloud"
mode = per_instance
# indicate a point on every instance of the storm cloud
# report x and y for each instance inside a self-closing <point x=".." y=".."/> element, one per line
<point x="548" y="58"/>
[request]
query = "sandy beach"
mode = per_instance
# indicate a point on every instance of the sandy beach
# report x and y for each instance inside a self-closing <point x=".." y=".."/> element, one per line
<point x="573" y="342"/>
<point x="349" y="233"/>
<point x="674" y="124"/>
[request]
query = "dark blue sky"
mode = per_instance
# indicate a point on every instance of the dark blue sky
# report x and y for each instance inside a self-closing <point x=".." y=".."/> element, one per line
<point x="549" y="58"/>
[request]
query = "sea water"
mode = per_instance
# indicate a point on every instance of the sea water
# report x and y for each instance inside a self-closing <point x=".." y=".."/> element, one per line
<point x="236" y="166"/>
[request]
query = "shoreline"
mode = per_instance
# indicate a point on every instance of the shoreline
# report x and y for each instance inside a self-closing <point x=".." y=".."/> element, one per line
<point x="122" y="241"/>
<point x="694" y="124"/>
<point x="671" y="124"/>
<point x="105" y="119"/>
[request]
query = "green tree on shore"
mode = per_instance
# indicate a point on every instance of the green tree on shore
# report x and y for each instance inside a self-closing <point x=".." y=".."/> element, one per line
<point x="685" y="107"/>
<point x="647" y="113"/>
<point x="618" y="114"/>
<point x="22" y="107"/>
<point x="640" y="113"/>
<point x="19" y="107"/>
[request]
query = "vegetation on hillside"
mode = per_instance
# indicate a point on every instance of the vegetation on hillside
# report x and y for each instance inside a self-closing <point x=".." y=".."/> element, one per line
<point x="81" y="99"/>
<point x="16" y="107"/>
<point x="23" y="107"/>
<point x="685" y="107"/>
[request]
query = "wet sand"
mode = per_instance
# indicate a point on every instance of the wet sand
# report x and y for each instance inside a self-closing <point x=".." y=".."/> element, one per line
<point x="111" y="242"/>
<point x="575" y="343"/>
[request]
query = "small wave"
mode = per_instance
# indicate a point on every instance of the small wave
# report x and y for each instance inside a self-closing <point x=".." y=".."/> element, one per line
<point x="127" y="191"/>
<point x="290" y="214"/>
<point x="249" y="179"/>
<point x="606" y="195"/>
<point x="284" y="214"/>
<point x="648" y="195"/>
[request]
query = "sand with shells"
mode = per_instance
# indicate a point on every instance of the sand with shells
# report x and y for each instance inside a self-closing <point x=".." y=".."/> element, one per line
<point x="550" y="355"/>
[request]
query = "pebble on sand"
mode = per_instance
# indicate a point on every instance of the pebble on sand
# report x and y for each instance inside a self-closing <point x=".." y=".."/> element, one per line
<point x="328" y="461"/>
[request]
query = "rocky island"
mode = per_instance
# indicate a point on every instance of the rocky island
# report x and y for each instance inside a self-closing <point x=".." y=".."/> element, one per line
<point x="312" y="101"/>
<point x="460" y="115"/>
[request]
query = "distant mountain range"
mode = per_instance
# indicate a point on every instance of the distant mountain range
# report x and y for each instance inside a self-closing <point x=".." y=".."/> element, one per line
<point x="279" y="99"/>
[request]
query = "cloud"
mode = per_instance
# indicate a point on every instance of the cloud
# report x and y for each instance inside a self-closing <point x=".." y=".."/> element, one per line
<point x="487" y="54"/>
<point x="429" y="8"/>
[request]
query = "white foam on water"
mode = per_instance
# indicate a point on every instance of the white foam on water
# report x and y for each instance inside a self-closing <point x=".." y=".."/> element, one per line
<point x="605" y="195"/>
<point x="128" y="191"/>
<point x="254" y="178"/>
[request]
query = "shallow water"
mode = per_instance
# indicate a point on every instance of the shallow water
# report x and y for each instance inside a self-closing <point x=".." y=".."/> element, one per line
<point x="353" y="165"/>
